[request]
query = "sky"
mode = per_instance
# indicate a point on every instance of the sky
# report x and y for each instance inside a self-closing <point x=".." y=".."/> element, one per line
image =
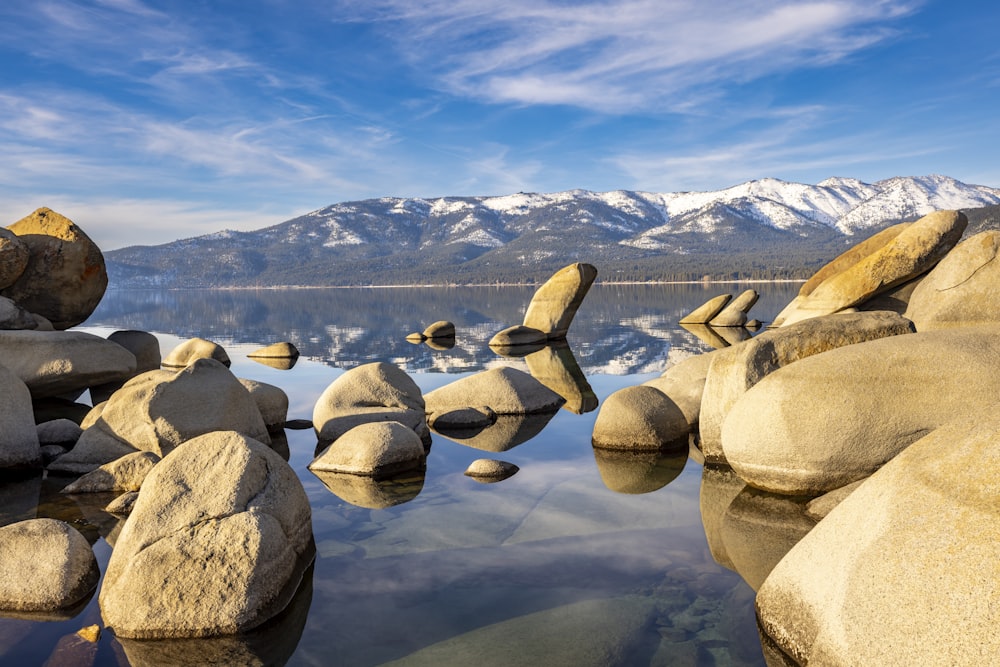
<point x="145" y="121"/>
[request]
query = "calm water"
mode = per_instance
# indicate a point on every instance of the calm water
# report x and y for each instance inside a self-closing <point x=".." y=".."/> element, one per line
<point x="580" y="558"/>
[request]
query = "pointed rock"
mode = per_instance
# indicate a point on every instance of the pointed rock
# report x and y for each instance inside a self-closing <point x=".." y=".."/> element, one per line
<point x="704" y="313"/>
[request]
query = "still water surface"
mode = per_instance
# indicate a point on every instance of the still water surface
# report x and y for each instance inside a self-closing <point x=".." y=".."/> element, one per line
<point x="581" y="558"/>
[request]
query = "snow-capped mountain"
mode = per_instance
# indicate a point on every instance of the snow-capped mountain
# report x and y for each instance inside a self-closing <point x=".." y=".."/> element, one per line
<point x="754" y="227"/>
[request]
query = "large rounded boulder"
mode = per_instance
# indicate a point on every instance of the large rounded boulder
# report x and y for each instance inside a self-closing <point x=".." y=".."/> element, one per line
<point x="65" y="276"/>
<point x="215" y="545"/>
<point x="19" y="445"/>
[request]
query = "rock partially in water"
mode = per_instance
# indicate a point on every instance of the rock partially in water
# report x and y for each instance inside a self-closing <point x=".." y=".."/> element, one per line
<point x="462" y="419"/>
<point x="272" y="401"/>
<point x="45" y="566"/>
<point x="193" y="349"/>
<point x="375" y="392"/>
<point x="735" y="370"/>
<point x="904" y="571"/>
<point x="19" y="445"/>
<point x="519" y="336"/>
<point x="123" y="504"/>
<point x="124" y="474"/>
<point x="61" y="363"/>
<point x="158" y="410"/>
<point x="216" y="544"/>
<point x="65" y="276"/>
<point x="833" y="418"/>
<point x="704" y="313"/>
<point x="282" y="350"/>
<point x="440" y="329"/>
<point x="735" y="313"/>
<point x="555" y="303"/>
<point x="490" y="470"/>
<point x="640" y="418"/>
<point x="379" y="449"/>
<point x="505" y="390"/>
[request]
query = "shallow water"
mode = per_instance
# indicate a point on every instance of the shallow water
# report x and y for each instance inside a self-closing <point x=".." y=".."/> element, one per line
<point x="581" y="558"/>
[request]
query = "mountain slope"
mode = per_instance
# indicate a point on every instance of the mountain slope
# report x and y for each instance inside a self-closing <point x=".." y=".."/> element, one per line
<point x="759" y="229"/>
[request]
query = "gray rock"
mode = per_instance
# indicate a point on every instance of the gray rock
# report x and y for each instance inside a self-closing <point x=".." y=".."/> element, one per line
<point x="833" y="418"/>
<point x="555" y="303"/>
<point x="704" y="313"/>
<point x="735" y="313"/>
<point x="215" y="545"/>
<point x="505" y="390"/>
<point x="193" y="349"/>
<point x="19" y="445"/>
<point x="920" y="539"/>
<point x="13" y="257"/>
<point x="639" y="418"/>
<point x="378" y="449"/>
<point x="58" y="363"/>
<point x="63" y="432"/>
<point x="369" y="393"/>
<point x="13" y="317"/>
<point x="736" y="369"/>
<point x="65" y="277"/>
<point x="124" y="474"/>
<point x="45" y="566"/>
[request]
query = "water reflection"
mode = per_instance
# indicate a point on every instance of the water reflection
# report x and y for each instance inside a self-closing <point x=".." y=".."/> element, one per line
<point x="639" y="472"/>
<point x="376" y="494"/>
<point x="555" y="366"/>
<point x="507" y="432"/>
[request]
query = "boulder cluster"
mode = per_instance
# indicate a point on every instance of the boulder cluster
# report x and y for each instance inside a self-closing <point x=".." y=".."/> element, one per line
<point x="850" y="452"/>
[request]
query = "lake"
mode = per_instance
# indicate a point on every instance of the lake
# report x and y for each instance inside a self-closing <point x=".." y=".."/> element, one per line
<point x="580" y="558"/>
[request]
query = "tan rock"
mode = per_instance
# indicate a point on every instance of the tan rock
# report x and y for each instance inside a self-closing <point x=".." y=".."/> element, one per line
<point x="462" y="418"/>
<point x="555" y="366"/>
<point x="736" y="369"/>
<point x="917" y="540"/>
<point x="215" y="545"/>
<point x="144" y="347"/>
<point x="124" y="474"/>
<point x="13" y="258"/>
<point x="123" y="504"/>
<point x="555" y="303"/>
<point x="704" y="313"/>
<point x="684" y="382"/>
<point x="639" y="418"/>
<point x="819" y="507"/>
<point x="369" y="393"/>
<point x="377" y="449"/>
<point x="45" y="565"/>
<point x="440" y="329"/>
<point x="735" y="313"/>
<point x="639" y="472"/>
<point x="193" y="349"/>
<point x="19" y="445"/>
<point x="491" y="470"/>
<point x="159" y="410"/>
<point x="57" y="363"/>
<point x="505" y="390"/>
<point x="962" y="289"/>
<point x="282" y="350"/>
<point x="518" y="335"/>
<point x="833" y="418"/>
<point x="719" y="486"/>
<point x="852" y="256"/>
<point x="272" y="401"/>
<point x="65" y="277"/>
<point x="912" y="252"/>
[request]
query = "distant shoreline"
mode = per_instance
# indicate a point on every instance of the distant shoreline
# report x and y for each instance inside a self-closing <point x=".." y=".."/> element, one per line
<point x="243" y="288"/>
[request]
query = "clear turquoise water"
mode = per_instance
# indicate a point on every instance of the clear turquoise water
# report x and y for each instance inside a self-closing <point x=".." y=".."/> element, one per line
<point x="579" y="558"/>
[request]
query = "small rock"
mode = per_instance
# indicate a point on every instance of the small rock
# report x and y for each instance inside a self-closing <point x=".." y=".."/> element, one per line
<point x="271" y="401"/>
<point x="379" y="449"/>
<point x="196" y="348"/>
<point x="123" y="504"/>
<point x="91" y="633"/>
<point x="490" y="470"/>
<point x="283" y="350"/>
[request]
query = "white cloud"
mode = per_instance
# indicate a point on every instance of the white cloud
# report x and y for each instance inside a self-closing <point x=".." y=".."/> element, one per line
<point x="632" y="55"/>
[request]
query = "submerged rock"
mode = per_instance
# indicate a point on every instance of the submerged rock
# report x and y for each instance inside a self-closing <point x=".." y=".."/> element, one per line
<point x="65" y="276"/>
<point x="45" y="566"/>
<point x="216" y="544"/>
<point x="440" y="329"/>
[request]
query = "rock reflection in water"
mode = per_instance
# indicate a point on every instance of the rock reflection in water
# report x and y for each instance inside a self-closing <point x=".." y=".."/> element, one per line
<point x="707" y="335"/>
<point x="639" y="472"/>
<point x="507" y="432"/>
<point x="759" y="528"/>
<point x="19" y="496"/>
<point x="376" y="494"/>
<point x="281" y="364"/>
<point x="719" y="485"/>
<point x="271" y="644"/>
<point x="555" y="366"/>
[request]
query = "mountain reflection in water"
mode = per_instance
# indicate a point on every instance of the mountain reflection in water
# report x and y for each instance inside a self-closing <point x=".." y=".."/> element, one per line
<point x="583" y="557"/>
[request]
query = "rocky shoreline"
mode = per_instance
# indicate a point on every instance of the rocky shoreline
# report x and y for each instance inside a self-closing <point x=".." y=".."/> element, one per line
<point x="858" y="414"/>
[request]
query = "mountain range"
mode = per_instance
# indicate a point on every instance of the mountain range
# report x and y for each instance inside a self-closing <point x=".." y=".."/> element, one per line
<point x="759" y="229"/>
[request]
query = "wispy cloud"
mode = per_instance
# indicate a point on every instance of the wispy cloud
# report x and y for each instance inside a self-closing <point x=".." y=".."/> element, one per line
<point x="635" y="55"/>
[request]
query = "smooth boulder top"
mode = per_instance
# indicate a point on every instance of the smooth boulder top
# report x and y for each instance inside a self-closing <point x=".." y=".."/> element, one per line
<point x="736" y="369"/>
<point x="65" y="277"/>
<point x="505" y="390"/>
<point x="914" y="251"/>
<point x="639" y="418"/>
<point x="215" y="544"/>
<point x="555" y="303"/>
<point x="282" y="350"/>
<point x="490" y="470"/>
<point x="45" y="565"/>
<point x="735" y="313"/>
<point x="962" y="289"/>
<point x="142" y="344"/>
<point x="376" y="449"/>
<point x="921" y="535"/>
<point x="19" y="444"/>
<point x="704" y="313"/>
<point x="440" y="329"/>
<point x="193" y="349"/>
<point x="833" y="418"/>
<point x="124" y="474"/>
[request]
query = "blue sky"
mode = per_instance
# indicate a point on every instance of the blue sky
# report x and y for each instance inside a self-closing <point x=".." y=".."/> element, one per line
<point x="150" y="120"/>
